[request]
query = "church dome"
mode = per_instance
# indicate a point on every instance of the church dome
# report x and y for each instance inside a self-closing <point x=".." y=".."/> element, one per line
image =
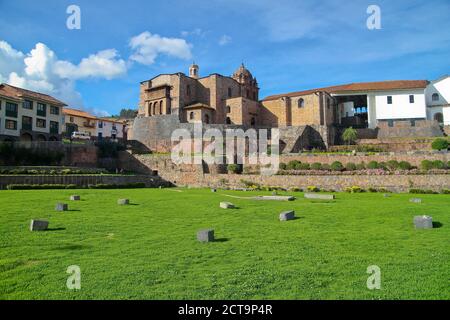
<point x="242" y="73"/>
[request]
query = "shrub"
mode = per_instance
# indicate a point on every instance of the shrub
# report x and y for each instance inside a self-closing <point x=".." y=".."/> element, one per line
<point x="426" y="165"/>
<point x="337" y="166"/>
<point x="293" y="165"/>
<point x="326" y="167"/>
<point x="233" y="168"/>
<point x="316" y="166"/>
<point x="350" y="166"/>
<point x="445" y="191"/>
<point x="313" y="189"/>
<point x="361" y="166"/>
<point x="349" y="136"/>
<point x="421" y="191"/>
<point x="373" y="165"/>
<point x="393" y="164"/>
<point x="438" y="164"/>
<point x="372" y="190"/>
<point x="354" y="189"/>
<point x="304" y="166"/>
<point x="295" y="189"/>
<point x="283" y="166"/>
<point x="405" y="165"/>
<point x="440" y="144"/>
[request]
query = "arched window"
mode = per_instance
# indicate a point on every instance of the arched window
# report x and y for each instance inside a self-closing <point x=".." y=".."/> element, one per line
<point x="301" y="103"/>
<point x="228" y="121"/>
<point x="253" y="121"/>
<point x="439" y="117"/>
<point x="154" y="108"/>
<point x="191" y="115"/>
<point x="206" y="118"/>
<point x="149" y="109"/>
<point x="160" y="107"/>
<point x="435" y="97"/>
<point x="228" y="109"/>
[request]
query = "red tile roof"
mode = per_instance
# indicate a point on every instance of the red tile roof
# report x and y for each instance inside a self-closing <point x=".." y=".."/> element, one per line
<point x="361" y="86"/>
<point x="19" y="93"/>
<point x="78" y="113"/>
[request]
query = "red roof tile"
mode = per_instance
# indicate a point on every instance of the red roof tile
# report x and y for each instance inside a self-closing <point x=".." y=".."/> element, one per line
<point x="19" y="93"/>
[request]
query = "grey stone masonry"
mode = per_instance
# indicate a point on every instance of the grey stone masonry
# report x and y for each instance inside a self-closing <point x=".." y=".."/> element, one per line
<point x="123" y="201"/>
<point x="423" y="222"/>
<point x="61" y="207"/>
<point x="287" y="215"/>
<point x="38" y="225"/>
<point x="75" y="198"/>
<point x="227" y="205"/>
<point x="415" y="200"/>
<point x="205" y="235"/>
<point x="320" y="196"/>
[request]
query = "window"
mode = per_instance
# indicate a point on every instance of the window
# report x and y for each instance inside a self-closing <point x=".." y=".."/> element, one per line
<point x="439" y="117"/>
<point x="160" y="107"/>
<point x="54" y="110"/>
<point x="230" y="93"/>
<point x="248" y="93"/>
<point x="41" y="110"/>
<point x="389" y="99"/>
<point x="27" y="104"/>
<point x="71" y="119"/>
<point x="301" y="103"/>
<point x="191" y="115"/>
<point x="54" y="127"/>
<point x="188" y="90"/>
<point x="11" y="109"/>
<point x="391" y="123"/>
<point x="10" y="124"/>
<point x="206" y="118"/>
<point x="100" y="124"/>
<point x="154" y="108"/>
<point x="253" y="121"/>
<point x="228" y="121"/>
<point x="435" y="97"/>
<point x="411" y="98"/>
<point x="40" y="123"/>
<point x="228" y="109"/>
<point x="413" y="123"/>
<point x="27" y="123"/>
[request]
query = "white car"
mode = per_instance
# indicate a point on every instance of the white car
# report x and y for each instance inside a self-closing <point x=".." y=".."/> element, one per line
<point x="81" y="135"/>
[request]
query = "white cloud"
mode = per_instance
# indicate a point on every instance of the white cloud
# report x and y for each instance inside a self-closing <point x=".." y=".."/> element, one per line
<point x="146" y="47"/>
<point x="224" y="40"/>
<point x="198" y="32"/>
<point x="104" y="64"/>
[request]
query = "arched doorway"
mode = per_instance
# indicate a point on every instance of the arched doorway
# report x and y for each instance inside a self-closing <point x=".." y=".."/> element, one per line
<point x="439" y="117"/>
<point x="41" y="138"/>
<point x="206" y="118"/>
<point x="26" y="137"/>
<point x="228" y="121"/>
<point x="53" y="138"/>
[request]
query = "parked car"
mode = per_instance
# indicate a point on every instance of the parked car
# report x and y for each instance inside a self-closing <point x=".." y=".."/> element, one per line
<point x="81" y="135"/>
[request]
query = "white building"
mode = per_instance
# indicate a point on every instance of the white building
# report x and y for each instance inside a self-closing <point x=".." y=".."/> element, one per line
<point x="438" y="100"/>
<point x="109" y="128"/>
<point x="29" y="116"/>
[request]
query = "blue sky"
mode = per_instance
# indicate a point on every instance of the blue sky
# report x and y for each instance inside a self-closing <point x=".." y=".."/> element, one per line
<point x="287" y="45"/>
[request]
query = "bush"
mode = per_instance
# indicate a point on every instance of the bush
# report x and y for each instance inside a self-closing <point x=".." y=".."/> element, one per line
<point x="304" y="166"/>
<point x="326" y="167"/>
<point x="337" y="166"/>
<point x="361" y="166"/>
<point x="426" y="165"/>
<point x="372" y="190"/>
<point x="283" y="166"/>
<point x="421" y="191"/>
<point x="440" y="144"/>
<point x="313" y="189"/>
<point x="233" y="168"/>
<point x="445" y="191"/>
<point x="373" y="165"/>
<point x="316" y="166"/>
<point x="350" y="166"/>
<point x="354" y="189"/>
<point x="350" y="135"/>
<point x="405" y="165"/>
<point x="438" y="164"/>
<point x="393" y="164"/>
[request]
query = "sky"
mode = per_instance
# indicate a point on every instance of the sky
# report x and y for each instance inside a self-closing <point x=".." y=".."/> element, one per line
<point x="288" y="45"/>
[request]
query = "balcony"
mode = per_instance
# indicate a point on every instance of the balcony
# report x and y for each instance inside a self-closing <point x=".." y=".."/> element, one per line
<point x="89" y="124"/>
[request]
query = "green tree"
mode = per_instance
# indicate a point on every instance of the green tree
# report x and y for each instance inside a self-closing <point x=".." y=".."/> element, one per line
<point x="350" y="135"/>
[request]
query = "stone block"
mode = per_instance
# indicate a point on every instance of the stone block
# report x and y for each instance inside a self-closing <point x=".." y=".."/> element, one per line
<point x="227" y="205"/>
<point x="287" y="215"/>
<point x="62" y="207"/>
<point x="423" y="222"/>
<point x="213" y="190"/>
<point x="415" y="200"/>
<point x="320" y="196"/>
<point x="38" y="225"/>
<point x="275" y="198"/>
<point x="205" y="235"/>
<point x="123" y="202"/>
<point x="75" y="198"/>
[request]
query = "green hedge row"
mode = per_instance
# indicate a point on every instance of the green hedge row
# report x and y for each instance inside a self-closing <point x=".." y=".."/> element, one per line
<point x="20" y="171"/>
<point x="73" y="186"/>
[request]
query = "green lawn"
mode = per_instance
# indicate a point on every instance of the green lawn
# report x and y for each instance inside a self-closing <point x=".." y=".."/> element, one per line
<point x="148" y="250"/>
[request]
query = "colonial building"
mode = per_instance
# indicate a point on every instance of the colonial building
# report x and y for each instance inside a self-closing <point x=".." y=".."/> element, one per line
<point x="97" y="128"/>
<point x="215" y="99"/>
<point x="29" y="116"/>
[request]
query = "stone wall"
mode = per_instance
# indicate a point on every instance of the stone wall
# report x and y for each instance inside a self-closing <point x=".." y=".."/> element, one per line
<point x="400" y="128"/>
<point x="81" y="180"/>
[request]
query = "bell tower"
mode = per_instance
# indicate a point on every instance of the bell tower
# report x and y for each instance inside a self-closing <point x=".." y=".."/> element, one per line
<point x="193" y="71"/>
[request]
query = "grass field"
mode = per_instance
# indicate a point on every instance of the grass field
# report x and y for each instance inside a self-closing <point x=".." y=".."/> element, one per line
<point x="148" y="250"/>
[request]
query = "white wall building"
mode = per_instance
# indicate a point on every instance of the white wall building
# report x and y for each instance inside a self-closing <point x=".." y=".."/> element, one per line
<point x="108" y="128"/>
<point x="438" y="100"/>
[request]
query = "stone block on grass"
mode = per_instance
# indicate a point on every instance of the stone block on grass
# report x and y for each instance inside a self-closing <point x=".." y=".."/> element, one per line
<point x="415" y="200"/>
<point x="123" y="202"/>
<point x="274" y="198"/>
<point x="319" y="196"/>
<point x="62" y="207"/>
<point x="75" y="198"/>
<point x="206" y="235"/>
<point x="423" y="222"/>
<point x="38" y="225"/>
<point x="227" y="205"/>
<point x="287" y="215"/>
<point x="213" y="190"/>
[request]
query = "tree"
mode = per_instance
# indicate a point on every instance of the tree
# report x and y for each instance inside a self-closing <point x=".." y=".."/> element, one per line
<point x="350" y="135"/>
<point x="440" y="144"/>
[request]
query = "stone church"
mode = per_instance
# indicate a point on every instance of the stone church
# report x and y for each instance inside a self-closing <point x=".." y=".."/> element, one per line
<point x="214" y="99"/>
